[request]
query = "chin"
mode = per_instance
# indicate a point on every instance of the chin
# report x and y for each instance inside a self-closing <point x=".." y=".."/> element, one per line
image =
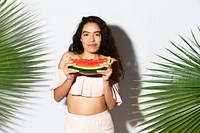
<point x="93" y="51"/>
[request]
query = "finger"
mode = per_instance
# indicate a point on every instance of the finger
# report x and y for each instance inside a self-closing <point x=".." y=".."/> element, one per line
<point x="73" y="64"/>
<point x="104" y="72"/>
<point x="101" y="71"/>
<point x="107" y="65"/>
<point x="66" y="61"/>
<point x="71" y="71"/>
<point x="68" y="64"/>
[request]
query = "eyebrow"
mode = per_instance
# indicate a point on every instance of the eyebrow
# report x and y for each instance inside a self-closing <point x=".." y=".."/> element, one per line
<point x="89" y="32"/>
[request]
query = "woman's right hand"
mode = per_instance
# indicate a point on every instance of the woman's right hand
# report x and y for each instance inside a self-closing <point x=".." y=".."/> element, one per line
<point x="70" y="72"/>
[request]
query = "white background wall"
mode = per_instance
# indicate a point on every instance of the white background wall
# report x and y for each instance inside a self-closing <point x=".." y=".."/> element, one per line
<point x="149" y="24"/>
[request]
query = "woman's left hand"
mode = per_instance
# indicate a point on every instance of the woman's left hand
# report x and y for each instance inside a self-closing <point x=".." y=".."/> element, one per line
<point x="106" y="73"/>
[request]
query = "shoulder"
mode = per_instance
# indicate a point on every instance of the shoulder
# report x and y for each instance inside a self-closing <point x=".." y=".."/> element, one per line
<point x="71" y="54"/>
<point x="114" y="63"/>
<point x="68" y="54"/>
<point x="113" y="60"/>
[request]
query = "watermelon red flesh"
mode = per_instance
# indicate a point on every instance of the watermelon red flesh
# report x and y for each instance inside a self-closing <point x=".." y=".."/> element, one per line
<point x="89" y="65"/>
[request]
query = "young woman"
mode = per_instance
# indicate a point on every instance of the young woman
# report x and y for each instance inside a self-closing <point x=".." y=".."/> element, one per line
<point x="89" y="97"/>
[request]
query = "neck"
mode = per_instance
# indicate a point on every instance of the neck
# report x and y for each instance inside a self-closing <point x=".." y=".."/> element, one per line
<point x="89" y="56"/>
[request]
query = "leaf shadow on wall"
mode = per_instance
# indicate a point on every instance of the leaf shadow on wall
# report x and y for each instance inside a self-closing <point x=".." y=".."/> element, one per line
<point x="122" y="114"/>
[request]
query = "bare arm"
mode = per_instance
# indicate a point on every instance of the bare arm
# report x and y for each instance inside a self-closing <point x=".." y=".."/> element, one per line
<point x="110" y="101"/>
<point x="61" y="91"/>
<point x="107" y="74"/>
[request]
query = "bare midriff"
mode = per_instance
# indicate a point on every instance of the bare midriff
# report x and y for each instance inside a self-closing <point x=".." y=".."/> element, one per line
<point x="80" y="105"/>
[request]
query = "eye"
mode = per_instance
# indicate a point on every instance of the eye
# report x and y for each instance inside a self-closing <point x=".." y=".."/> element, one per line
<point x="85" y="34"/>
<point x="98" y="34"/>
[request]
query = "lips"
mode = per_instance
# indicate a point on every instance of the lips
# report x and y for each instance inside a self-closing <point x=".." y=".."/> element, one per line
<point x="92" y="44"/>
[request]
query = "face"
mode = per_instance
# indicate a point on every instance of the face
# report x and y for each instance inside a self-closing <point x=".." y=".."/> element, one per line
<point x="91" y="37"/>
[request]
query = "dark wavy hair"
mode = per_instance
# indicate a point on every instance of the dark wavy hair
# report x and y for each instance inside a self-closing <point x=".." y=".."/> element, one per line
<point x="107" y="47"/>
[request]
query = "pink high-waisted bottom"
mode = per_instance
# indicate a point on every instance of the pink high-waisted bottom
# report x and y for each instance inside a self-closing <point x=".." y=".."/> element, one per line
<point x="98" y="123"/>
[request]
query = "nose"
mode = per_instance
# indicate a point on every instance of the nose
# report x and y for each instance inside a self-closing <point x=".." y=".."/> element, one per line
<point x="92" y="39"/>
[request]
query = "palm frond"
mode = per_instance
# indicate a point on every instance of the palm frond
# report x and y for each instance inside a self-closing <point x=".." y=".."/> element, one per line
<point x="174" y="104"/>
<point x="21" y="51"/>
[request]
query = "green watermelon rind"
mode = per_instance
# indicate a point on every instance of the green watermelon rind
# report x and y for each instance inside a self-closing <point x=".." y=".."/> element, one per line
<point x="88" y="70"/>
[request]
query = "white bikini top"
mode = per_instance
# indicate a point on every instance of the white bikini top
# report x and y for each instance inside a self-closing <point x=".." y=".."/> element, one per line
<point x="88" y="86"/>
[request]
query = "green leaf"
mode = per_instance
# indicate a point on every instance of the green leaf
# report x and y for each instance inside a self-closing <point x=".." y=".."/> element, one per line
<point x="174" y="104"/>
<point x="22" y="47"/>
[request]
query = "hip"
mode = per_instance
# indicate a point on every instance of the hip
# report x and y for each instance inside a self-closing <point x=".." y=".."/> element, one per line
<point x="98" y="123"/>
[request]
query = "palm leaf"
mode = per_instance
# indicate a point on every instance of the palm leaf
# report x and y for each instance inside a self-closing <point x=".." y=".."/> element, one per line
<point x="174" y="104"/>
<point x="21" y="63"/>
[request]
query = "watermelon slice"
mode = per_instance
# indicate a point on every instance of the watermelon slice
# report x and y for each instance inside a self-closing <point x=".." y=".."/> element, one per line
<point x="89" y="66"/>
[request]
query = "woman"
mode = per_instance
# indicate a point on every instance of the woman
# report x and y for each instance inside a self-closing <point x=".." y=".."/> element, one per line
<point x="89" y="96"/>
